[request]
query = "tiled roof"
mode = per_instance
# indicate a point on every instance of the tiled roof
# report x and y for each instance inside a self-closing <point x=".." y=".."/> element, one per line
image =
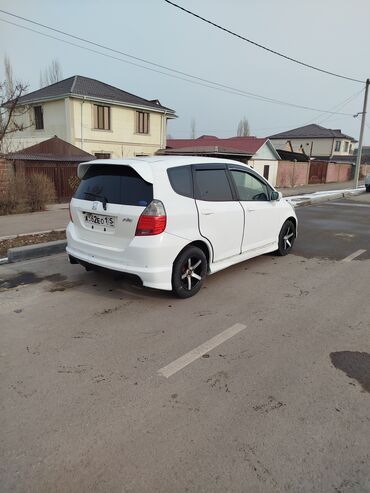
<point x="312" y="131"/>
<point x="205" y="150"/>
<point x="90" y="88"/>
<point x="53" y="149"/>
<point x="249" y="145"/>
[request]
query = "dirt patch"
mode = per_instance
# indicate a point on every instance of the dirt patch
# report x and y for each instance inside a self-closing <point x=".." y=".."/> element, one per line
<point x="355" y="365"/>
<point x="30" y="239"/>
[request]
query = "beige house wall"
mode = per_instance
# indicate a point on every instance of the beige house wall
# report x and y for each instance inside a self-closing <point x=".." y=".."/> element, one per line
<point x="258" y="165"/>
<point x="63" y="118"/>
<point x="320" y="147"/>
<point x="121" y="140"/>
<point x="54" y="124"/>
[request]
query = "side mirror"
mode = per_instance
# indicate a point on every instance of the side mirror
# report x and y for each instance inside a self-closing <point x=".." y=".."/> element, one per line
<point x="276" y="195"/>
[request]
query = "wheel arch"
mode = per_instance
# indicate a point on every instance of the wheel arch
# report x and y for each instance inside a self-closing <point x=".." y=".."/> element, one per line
<point x="206" y="249"/>
<point x="294" y="221"/>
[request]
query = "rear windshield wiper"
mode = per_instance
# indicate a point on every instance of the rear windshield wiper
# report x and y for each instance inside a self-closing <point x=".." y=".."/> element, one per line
<point x="104" y="199"/>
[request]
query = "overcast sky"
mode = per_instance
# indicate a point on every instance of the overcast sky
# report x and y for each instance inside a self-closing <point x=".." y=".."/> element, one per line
<point x="332" y="34"/>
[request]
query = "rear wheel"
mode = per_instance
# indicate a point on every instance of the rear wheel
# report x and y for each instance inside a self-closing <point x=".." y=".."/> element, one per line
<point x="189" y="272"/>
<point x="286" y="238"/>
<point x="367" y="188"/>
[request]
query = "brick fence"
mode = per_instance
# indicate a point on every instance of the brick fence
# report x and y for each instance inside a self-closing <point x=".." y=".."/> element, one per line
<point x="6" y="172"/>
<point x="292" y="174"/>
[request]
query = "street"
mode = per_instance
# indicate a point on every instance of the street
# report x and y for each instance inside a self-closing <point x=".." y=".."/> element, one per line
<point x="87" y="403"/>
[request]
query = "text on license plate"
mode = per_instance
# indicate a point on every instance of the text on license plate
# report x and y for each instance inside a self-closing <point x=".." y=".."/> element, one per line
<point x="106" y="221"/>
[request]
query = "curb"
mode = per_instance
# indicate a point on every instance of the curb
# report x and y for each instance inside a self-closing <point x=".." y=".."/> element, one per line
<point x="28" y="252"/>
<point x="323" y="198"/>
<point x="10" y="237"/>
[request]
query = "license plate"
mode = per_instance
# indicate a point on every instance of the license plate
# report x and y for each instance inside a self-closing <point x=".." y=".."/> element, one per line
<point x="100" y="220"/>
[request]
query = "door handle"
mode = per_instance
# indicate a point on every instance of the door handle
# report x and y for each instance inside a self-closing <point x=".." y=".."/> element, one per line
<point x="207" y="213"/>
<point x="251" y="210"/>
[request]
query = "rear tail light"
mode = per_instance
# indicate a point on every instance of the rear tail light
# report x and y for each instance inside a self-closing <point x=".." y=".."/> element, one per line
<point x="70" y="215"/>
<point x="152" y="220"/>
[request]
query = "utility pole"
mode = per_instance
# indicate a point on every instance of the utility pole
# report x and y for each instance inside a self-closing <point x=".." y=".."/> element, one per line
<point x="363" y="119"/>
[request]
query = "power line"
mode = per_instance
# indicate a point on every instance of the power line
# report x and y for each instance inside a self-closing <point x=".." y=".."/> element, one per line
<point x="190" y="78"/>
<point x="336" y="107"/>
<point x="270" y="50"/>
<point x="341" y="106"/>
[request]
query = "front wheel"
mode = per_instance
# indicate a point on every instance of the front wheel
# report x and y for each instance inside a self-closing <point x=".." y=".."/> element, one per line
<point x="286" y="238"/>
<point x="189" y="272"/>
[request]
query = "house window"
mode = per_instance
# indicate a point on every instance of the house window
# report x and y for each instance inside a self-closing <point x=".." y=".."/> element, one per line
<point x="102" y="155"/>
<point x="266" y="171"/>
<point x="346" y="144"/>
<point x="101" y="117"/>
<point x="39" y="117"/>
<point x="337" y="145"/>
<point x="142" y="122"/>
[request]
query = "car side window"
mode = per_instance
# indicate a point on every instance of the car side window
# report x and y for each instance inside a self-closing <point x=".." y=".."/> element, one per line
<point x="212" y="185"/>
<point x="181" y="180"/>
<point x="249" y="188"/>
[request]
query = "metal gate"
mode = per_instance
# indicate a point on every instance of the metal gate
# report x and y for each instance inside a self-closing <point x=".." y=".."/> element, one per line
<point x="318" y="171"/>
<point x="63" y="176"/>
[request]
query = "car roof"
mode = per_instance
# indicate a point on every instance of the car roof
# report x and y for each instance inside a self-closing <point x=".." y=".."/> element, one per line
<point x="165" y="161"/>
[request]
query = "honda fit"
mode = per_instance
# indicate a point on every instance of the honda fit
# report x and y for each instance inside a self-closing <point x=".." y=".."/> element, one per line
<point x="173" y="220"/>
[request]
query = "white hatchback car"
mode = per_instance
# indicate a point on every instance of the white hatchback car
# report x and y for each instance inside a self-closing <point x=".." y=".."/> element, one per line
<point x="173" y="220"/>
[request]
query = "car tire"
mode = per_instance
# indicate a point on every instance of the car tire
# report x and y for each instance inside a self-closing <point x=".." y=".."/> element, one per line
<point x="189" y="272"/>
<point x="286" y="238"/>
<point x="367" y="188"/>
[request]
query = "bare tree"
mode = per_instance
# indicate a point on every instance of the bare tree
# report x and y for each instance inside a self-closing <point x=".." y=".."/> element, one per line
<point x="10" y="92"/>
<point x="192" y="128"/>
<point x="243" y="128"/>
<point x="51" y="74"/>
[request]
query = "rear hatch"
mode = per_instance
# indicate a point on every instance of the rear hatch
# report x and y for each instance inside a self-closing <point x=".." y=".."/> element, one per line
<point x="108" y="203"/>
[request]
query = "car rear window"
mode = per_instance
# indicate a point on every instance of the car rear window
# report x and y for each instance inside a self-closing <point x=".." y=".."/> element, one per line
<point x="181" y="180"/>
<point x="115" y="184"/>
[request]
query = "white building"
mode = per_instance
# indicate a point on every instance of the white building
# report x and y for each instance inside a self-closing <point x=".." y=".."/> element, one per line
<point x="96" y="117"/>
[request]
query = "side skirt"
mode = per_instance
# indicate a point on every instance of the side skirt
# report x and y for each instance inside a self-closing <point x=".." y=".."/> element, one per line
<point x="223" y="264"/>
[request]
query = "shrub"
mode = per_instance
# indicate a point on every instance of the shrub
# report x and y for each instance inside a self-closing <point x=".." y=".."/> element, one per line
<point x="14" y="198"/>
<point x="40" y="192"/>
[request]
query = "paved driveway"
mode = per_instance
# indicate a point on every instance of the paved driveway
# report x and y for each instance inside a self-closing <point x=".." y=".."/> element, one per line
<point x="281" y="405"/>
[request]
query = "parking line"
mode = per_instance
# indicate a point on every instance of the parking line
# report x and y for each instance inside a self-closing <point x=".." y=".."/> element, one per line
<point x="196" y="353"/>
<point x="353" y="255"/>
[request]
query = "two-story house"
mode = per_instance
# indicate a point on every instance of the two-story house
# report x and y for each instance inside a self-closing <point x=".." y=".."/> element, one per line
<point x="315" y="141"/>
<point x="96" y="117"/>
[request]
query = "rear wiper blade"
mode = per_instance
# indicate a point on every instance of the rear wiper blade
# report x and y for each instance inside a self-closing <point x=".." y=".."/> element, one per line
<point x="104" y="200"/>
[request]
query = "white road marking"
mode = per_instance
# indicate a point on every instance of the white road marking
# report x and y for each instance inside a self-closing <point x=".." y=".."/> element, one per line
<point x="196" y="353"/>
<point x="349" y="204"/>
<point x="353" y="255"/>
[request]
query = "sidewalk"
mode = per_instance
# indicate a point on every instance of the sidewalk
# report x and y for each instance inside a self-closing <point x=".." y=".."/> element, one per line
<point x="287" y="192"/>
<point x="57" y="216"/>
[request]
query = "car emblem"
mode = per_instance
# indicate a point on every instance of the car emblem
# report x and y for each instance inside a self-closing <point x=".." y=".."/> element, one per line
<point x="95" y="206"/>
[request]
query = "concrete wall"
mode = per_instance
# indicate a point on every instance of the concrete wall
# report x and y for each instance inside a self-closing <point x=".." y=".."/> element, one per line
<point x="338" y="173"/>
<point x="364" y="170"/>
<point x="292" y="174"/>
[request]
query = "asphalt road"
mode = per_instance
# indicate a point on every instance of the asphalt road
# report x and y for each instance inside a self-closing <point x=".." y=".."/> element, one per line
<point x="281" y="405"/>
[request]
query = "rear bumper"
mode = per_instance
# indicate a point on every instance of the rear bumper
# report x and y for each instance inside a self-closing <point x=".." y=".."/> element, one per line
<point x="148" y="257"/>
